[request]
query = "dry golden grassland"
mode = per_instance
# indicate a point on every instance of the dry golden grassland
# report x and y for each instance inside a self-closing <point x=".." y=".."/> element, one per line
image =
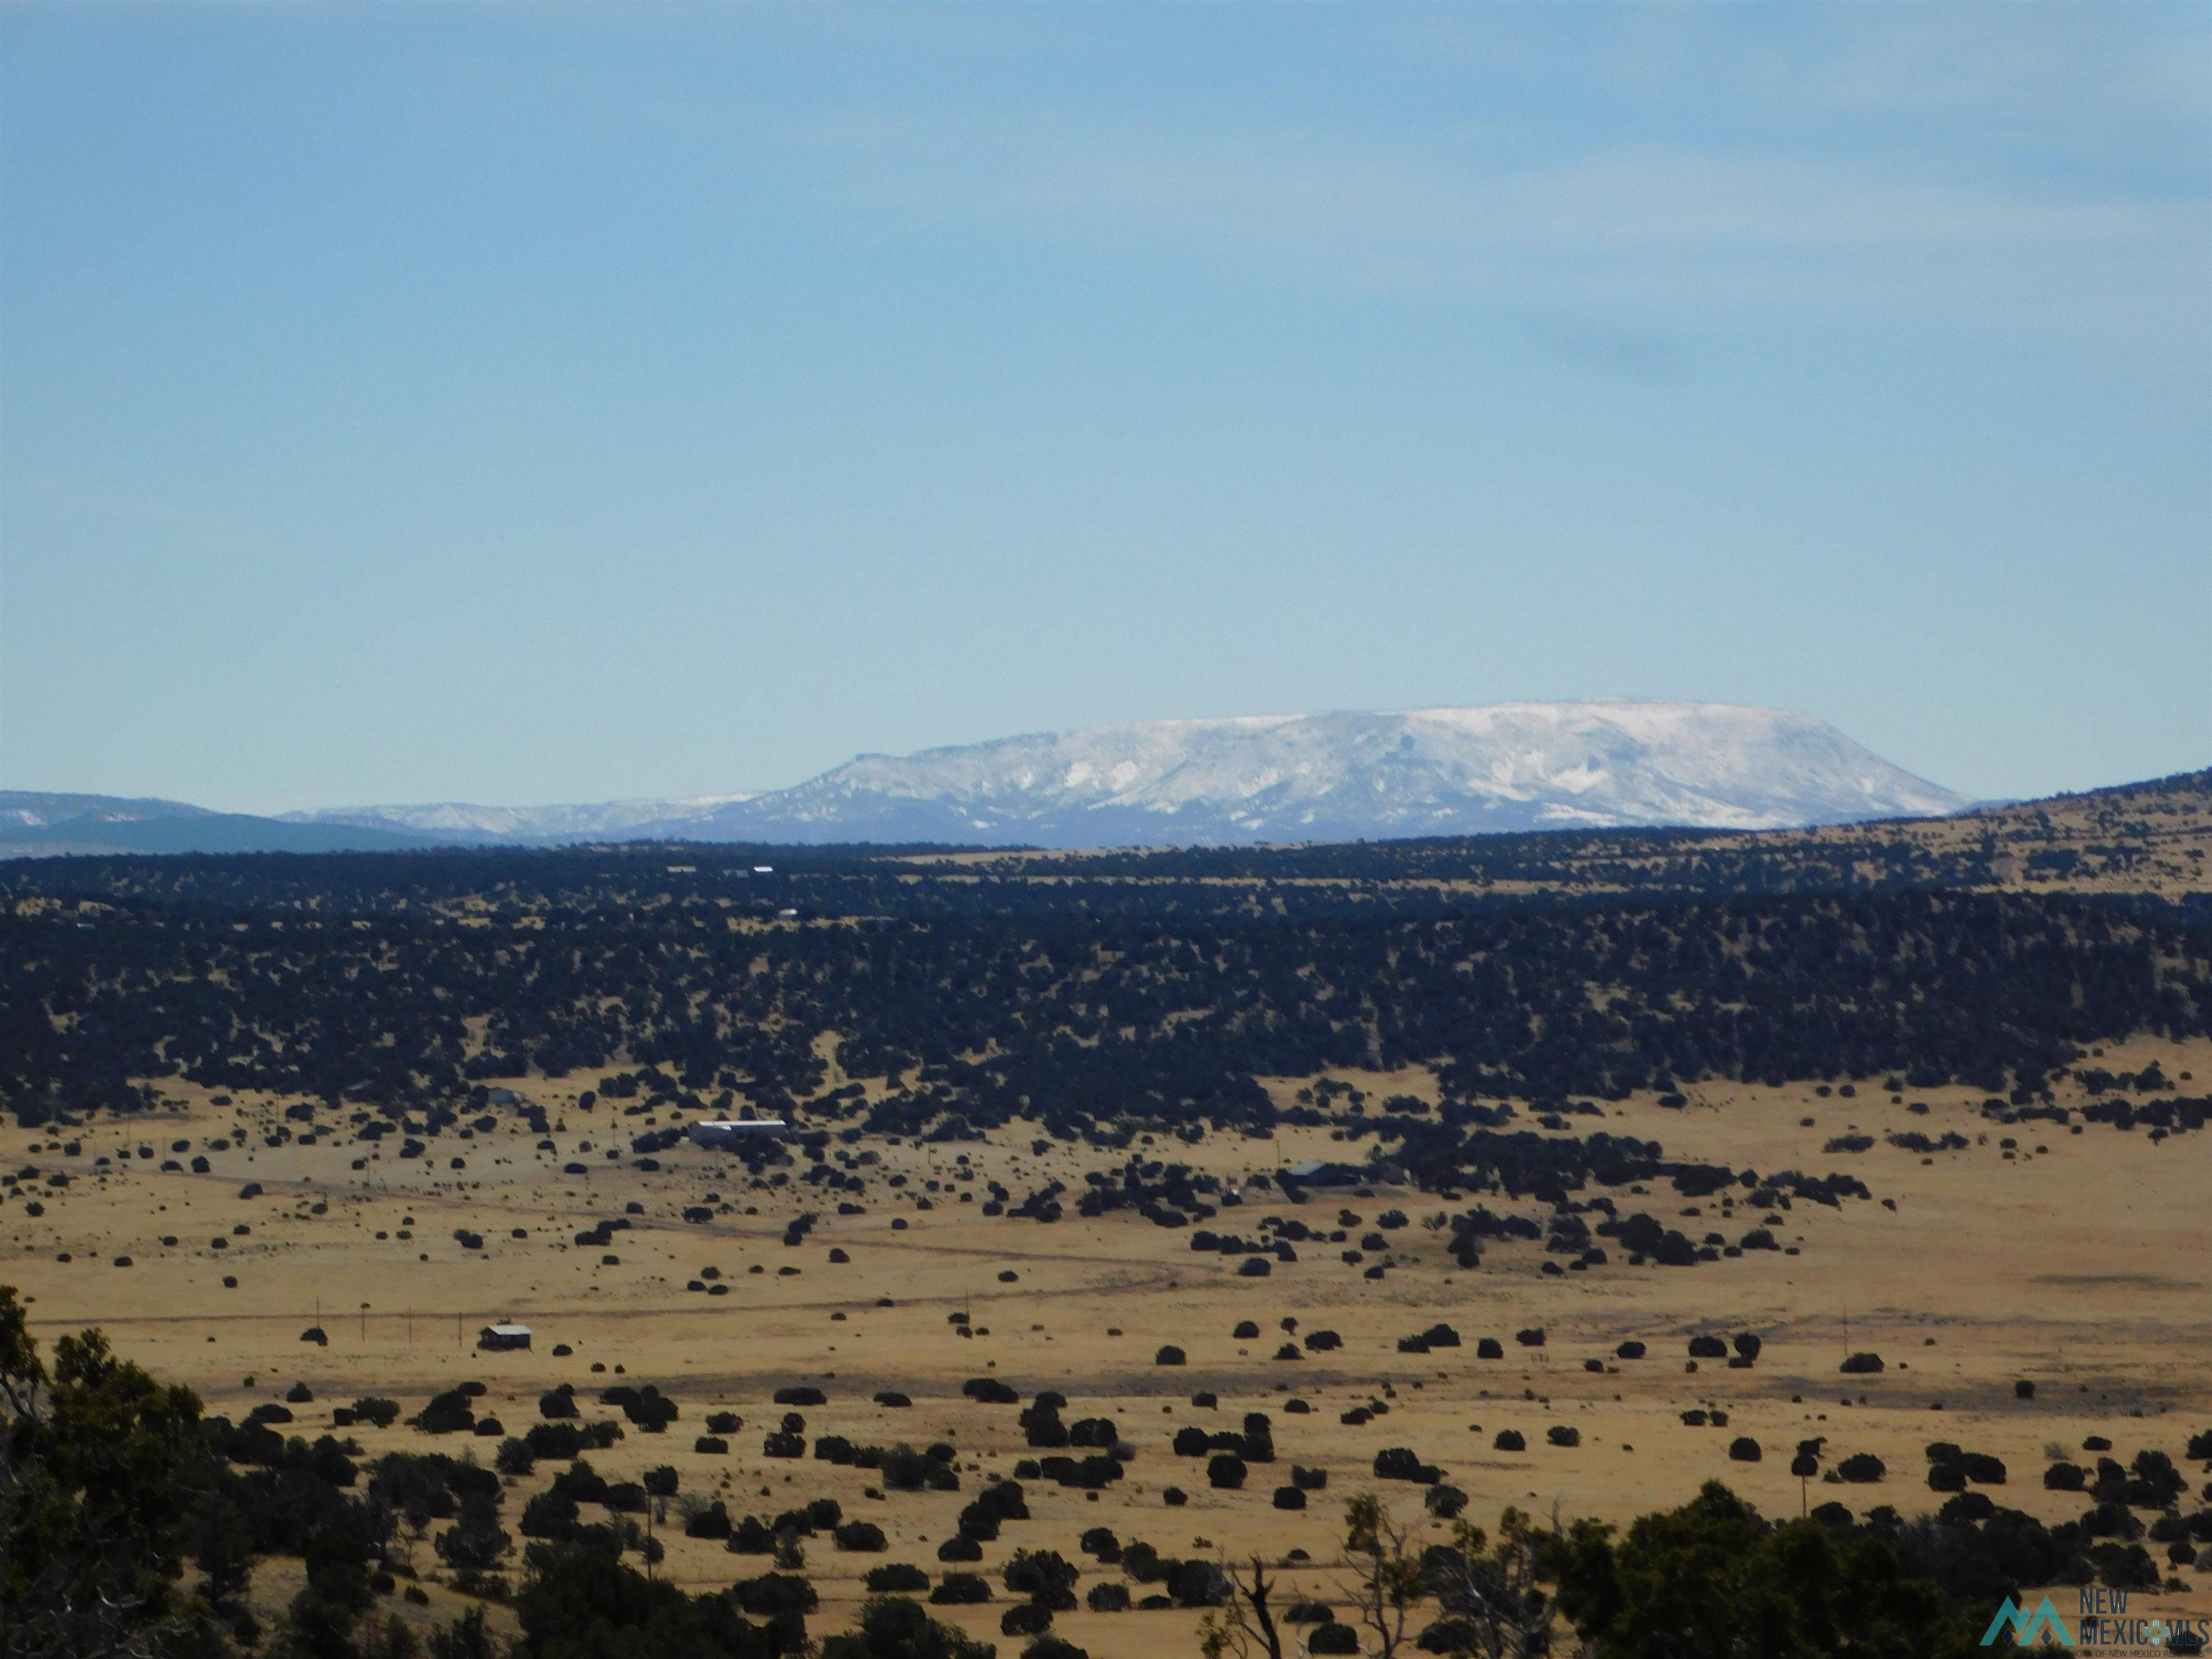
<point x="2079" y="1261"/>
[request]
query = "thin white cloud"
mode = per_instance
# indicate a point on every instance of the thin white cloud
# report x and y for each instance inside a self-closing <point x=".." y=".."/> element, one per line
<point x="1680" y="229"/>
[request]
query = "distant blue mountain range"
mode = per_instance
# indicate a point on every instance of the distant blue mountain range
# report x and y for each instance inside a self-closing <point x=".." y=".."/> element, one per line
<point x="33" y="824"/>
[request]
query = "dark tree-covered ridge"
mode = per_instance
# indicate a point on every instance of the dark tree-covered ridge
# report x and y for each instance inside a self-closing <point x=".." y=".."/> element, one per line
<point x="1071" y="999"/>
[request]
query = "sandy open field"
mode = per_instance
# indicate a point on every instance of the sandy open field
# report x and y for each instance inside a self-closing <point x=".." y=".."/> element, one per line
<point x="2080" y="1262"/>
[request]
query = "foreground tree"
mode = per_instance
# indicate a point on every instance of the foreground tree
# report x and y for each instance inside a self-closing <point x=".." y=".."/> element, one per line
<point x="1244" y="1627"/>
<point x="1387" y="1583"/>
<point x="109" y="1485"/>
<point x="581" y="1600"/>
<point x="101" y="1467"/>
<point x="893" y="1627"/>
<point x="1492" y="1599"/>
<point x="1713" y="1578"/>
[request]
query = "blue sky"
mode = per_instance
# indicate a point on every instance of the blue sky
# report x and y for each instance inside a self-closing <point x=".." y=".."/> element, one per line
<point x="524" y="404"/>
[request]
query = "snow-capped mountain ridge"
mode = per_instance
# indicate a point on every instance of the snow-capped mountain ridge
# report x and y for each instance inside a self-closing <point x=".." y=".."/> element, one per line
<point x="1338" y="777"/>
<point x="1236" y="779"/>
<point x="460" y="821"/>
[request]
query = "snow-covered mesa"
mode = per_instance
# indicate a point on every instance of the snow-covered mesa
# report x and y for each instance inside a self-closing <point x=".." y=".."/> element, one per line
<point x="1279" y="778"/>
<point x="1344" y="777"/>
